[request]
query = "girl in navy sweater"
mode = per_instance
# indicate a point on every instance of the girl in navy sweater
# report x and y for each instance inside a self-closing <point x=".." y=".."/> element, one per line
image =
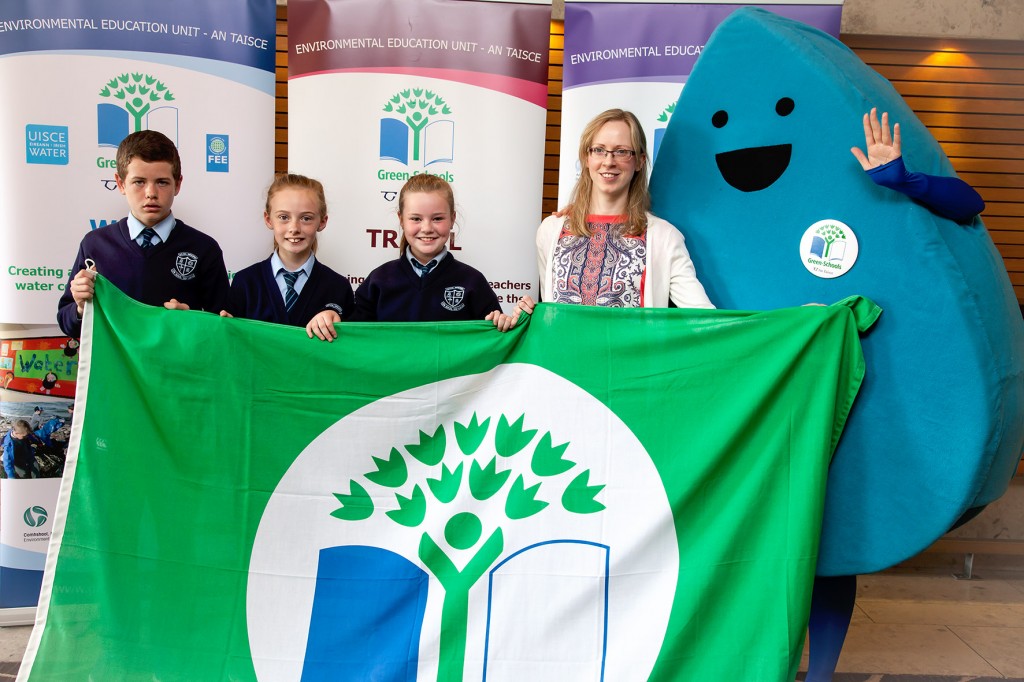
<point x="425" y="283"/>
<point x="292" y="286"/>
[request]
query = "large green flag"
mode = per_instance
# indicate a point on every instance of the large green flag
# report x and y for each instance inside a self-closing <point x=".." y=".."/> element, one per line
<point x="596" y="495"/>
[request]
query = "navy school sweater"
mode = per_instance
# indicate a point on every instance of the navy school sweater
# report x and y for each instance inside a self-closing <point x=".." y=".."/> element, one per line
<point x="451" y="291"/>
<point x="189" y="267"/>
<point x="255" y="295"/>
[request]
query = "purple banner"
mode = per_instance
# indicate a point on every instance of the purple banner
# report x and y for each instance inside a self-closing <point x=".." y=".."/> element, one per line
<point x="607" y="42"/>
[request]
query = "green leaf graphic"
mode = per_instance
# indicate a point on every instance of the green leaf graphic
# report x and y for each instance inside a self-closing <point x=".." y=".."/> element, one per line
<point x="430" y="450"/>
<point x="356" y="506"/>
<point x="469" y="437"/>
<point x="510" y="439"/>
<point x="411" y="510"/>
<point x="579" y="498"/>
<point x="446" y="487"/>
<point x="522" y="502"/>
<point x="391" y="472"/>
<point x="547" y="460"/>
<point x="485" y="481"/>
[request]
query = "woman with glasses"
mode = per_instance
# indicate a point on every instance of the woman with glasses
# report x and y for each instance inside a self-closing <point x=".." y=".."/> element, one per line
<point x="607" y="249"/>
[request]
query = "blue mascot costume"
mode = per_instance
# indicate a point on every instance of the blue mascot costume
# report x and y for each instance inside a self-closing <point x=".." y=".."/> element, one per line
<point x="756" y="170"/>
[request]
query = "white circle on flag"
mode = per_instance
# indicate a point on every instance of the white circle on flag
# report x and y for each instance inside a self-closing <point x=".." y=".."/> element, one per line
<point x="576" y="592"/>
<point x="828" y="249"/>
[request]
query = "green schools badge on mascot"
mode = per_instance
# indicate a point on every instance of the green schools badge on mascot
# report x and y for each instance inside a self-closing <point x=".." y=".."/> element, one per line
<point x="597" y="494"/>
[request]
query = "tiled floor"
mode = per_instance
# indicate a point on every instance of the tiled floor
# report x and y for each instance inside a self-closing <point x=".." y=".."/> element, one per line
<point x="909" y="625"/>
<point x="925" y="624"/>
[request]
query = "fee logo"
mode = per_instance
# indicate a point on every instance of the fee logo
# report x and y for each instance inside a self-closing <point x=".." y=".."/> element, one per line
<point x="134" y="102"/>
<point x="46" y="144"/>
<point x="35" y="516"/>
<point x="217" y="153"/>
<point x="828" y="249"/>
<point x="414" y="132"/>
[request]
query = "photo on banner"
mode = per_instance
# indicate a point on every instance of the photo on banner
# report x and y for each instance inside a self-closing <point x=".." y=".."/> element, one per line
<point x="637" y="56"/>
<point x="455" y="88"/>
<point x="202" y="73"/>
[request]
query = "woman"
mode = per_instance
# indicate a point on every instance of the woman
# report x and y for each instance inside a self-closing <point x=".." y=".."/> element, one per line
<point x="607" y="249"/>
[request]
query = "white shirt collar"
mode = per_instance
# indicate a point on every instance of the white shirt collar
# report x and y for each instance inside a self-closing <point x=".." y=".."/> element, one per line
<point x="162" y="228"/>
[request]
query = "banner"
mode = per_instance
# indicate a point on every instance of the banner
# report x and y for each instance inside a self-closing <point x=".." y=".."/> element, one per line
<point x="632" y="55"/>
<point x="441" y="501"/>
<point x="455" y="88"/>
<point x="90" y="73"/>
<point x="26" y="508"/>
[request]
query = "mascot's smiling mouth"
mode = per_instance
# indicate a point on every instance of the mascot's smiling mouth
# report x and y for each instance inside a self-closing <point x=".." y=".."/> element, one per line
<point x="754" y="168"/>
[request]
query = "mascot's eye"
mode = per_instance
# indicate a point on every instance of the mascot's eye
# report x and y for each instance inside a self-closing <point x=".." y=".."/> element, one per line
<point x="784" y="107"/>
<point x="719" y="119"/>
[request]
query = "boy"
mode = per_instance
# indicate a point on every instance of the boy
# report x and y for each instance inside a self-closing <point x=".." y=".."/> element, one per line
<point x="148" y="255"/>
<point x="19" y="456"/>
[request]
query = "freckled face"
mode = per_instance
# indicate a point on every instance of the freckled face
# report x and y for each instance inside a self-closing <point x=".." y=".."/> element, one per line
<point x="295" y="219"/>
<point x="150" y="189"/>
<point x="426" y="223"/>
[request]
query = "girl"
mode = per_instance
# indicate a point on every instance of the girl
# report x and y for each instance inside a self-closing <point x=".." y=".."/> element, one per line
<point x="607" y="249"/>
<point x="425" y="283"/>
<point x="292" y="286"/>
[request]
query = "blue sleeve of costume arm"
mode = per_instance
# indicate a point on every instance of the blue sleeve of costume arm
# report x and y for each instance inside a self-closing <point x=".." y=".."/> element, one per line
<point x="949" y="197"/>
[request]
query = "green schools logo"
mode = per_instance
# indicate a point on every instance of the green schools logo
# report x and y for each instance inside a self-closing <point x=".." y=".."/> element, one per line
<point x="659" y="131"/>
<point x="467" y="519"/>
<point x="131" y="102"/>
<point x="463" y="531"/>
<point x="35" y="516"/>
<point x="828" y="249"/>
<point x="416" y="130"/>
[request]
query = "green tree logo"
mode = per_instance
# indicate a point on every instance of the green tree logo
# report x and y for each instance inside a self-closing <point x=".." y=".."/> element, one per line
<point x="436" y="485"/>
<point x="830" y="233"/>
<point x="667" y="112"/>
<point x="417" y="105"/>
<point x="138" y="92"/>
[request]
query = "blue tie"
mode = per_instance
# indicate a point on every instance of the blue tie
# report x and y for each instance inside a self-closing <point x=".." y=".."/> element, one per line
<point x="290" y="297"/>
<point x="421" y="268"/>
<point x="148" y="235"/>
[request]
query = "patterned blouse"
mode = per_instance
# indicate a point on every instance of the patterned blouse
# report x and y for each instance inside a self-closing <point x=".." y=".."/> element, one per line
<point x="605" y="269"/>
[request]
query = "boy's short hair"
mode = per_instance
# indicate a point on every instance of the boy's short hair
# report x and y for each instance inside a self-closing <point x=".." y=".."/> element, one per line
<point x="21" y="426"/>
<point x="150" y="146"/>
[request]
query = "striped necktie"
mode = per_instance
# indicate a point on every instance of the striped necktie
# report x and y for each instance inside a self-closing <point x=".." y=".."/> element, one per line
<point x="421" y="268"/>
<point x="290" y="297"/>
<point x="148" y="235"/>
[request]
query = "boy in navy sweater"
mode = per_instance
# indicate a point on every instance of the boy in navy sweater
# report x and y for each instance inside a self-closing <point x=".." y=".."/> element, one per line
<point x="148" y="255"/>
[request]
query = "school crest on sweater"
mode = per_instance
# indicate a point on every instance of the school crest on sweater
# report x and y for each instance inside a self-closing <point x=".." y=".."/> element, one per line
<point x="453" y="297"/>
<point x="185" y="265"/>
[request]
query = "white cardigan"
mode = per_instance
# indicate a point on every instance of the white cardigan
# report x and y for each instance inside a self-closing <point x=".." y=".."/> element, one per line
<point x="669" y="270"/>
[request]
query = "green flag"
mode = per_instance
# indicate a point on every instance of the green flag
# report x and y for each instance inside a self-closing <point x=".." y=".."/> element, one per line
<point x="596" y="495"/>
